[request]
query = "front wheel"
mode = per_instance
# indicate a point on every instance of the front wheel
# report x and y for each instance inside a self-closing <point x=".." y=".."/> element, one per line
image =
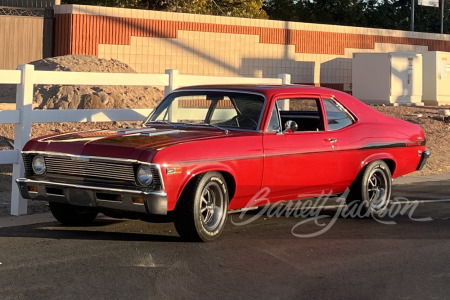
<point x="202" y="210"/>
<point x="73" y="215"/>
<point x="371" y="192"/>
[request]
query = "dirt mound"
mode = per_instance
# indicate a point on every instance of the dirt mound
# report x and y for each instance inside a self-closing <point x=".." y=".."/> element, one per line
<point x="86" y="97"/>
<point x="82" y="63"/>
<point x="437" y="134"/>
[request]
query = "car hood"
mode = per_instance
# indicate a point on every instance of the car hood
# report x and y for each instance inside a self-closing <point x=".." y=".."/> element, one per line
<point x="120" y="143"/>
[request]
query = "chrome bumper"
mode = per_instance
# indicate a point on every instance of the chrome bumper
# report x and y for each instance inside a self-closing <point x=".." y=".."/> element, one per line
<point x="94" y="196"/>
<point x="423" y="159"/>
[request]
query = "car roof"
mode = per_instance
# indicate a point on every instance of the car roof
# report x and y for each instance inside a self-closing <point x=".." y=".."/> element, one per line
<point x="354" y="105"/>
<point x="264" y="89"/>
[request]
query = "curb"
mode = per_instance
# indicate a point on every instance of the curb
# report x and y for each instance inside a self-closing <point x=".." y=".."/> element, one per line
<point x="13" y="221"/>
<point x="416" y="179"/>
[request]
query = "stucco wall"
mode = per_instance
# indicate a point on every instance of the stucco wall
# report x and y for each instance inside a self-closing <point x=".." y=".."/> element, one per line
<point x="152" y="42"/>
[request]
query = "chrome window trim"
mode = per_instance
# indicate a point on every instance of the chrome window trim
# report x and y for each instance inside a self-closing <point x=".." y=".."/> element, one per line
<point x="350" y="113"/>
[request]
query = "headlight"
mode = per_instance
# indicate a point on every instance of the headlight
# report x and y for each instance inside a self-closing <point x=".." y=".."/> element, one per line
<point x="38" y="165"/>
<point x="144" y="175"/>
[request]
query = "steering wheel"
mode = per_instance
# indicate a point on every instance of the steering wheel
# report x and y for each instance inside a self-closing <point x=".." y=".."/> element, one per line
<point x="244" y="122"/>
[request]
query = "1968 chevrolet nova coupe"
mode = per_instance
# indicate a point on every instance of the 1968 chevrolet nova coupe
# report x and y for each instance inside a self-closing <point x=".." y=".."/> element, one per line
<point x="206" y="151"/>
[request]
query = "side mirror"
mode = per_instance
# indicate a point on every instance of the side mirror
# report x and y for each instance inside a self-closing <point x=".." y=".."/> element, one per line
<point x="290" y="126"/>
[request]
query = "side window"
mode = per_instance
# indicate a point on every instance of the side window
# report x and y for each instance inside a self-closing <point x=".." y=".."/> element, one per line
<point x="337" y="116"/>
<point x="274" y="122"/>
<point x="305" y="112"/>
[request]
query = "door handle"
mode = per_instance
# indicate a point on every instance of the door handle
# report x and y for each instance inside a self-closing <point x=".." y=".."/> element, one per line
<point x="332" y="141"/>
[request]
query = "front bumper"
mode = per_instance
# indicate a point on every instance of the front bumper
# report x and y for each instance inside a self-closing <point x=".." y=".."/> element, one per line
<point x="94" y="196"/>
<point x="423" y="159"/>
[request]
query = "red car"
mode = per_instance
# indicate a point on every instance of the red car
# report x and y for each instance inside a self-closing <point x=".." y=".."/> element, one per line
<point x="206" y="151"/>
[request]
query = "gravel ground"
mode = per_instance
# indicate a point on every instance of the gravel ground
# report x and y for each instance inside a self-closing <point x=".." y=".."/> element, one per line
<point x="437" y="133"/>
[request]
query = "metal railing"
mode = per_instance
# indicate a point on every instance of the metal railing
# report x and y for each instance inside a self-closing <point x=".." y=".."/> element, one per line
<point x="30" y="3"/>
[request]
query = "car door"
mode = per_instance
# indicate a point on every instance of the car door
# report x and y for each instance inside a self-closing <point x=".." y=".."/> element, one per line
<point x="340" y="124"/>
<point x="298" y="163"/>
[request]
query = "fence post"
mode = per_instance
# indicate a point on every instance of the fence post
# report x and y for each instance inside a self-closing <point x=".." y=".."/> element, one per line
<point x="285" y="78"/>
<point x="24" y="101"/>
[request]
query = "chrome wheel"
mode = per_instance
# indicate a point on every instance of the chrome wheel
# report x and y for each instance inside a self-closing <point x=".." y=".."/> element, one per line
<point x="202" y="210"/>
<point x="212" y="206"/>
<point x="370" y="193"/>
<point x="377" y="189"/>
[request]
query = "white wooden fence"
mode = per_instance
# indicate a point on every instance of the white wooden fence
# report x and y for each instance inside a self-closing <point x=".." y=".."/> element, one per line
<point x="26" y="77"/>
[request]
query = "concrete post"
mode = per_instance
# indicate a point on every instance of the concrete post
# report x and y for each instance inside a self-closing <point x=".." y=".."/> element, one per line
<point x="173" y="81"/>
<point x="286" y="78"/>
<point x="24" y="100"/>
<point x="173" y="84"/>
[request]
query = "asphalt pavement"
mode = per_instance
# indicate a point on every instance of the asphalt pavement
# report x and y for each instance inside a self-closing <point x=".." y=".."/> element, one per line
<point x="325" y="256"/>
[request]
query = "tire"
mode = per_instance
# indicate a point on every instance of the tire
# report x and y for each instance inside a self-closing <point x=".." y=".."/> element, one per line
<point x="72" y="215"/>
<point x="371" y="192"/>
<point x="202" y="209"/>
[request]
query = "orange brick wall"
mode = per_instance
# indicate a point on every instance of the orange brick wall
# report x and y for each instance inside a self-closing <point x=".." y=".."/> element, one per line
<point x="152" y="42"/>
<point x="81" y="34"/>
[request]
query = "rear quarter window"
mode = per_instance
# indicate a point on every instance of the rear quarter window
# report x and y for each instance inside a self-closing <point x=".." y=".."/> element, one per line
<point x="337" y="116"/>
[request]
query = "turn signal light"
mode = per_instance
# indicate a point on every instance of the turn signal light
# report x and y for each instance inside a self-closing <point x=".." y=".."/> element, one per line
<point x="33" y="189"/>
<point x="138" y="200"/>
<point x="173" y="170"/>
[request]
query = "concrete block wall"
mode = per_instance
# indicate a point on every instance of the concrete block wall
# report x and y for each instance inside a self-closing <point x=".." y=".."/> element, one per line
<point x="152" y="41"/>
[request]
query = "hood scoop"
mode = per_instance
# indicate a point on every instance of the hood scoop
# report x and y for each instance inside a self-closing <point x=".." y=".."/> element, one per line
<point x="133" y="131"/>
<point x="147" y="132"/>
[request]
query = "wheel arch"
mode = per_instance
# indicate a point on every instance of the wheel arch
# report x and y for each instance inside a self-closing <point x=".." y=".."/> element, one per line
<point x="386" y="157"/>
<point x="391" y="164"/>
<point x="227" y="175"/>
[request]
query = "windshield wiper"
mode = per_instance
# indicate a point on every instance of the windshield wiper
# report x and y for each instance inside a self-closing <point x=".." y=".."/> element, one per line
<point x="164" y="122"/>
<point x="210" y="125"/>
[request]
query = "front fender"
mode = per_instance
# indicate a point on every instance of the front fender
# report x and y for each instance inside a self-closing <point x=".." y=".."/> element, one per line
<point x="176" y="183"/>
<point x="199" y="169"/>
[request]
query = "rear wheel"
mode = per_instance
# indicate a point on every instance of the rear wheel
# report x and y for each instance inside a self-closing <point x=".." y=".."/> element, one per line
<point x="73" y="215"/>
<point x="371" y="192"/>
<point x="202" y="210"/>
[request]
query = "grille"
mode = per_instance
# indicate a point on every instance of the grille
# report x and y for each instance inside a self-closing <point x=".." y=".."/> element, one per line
<point x="90" y="168"/>
<point x="156" y="178"/>
<point x="85" y="168"/>
<point x="27" y="164"/>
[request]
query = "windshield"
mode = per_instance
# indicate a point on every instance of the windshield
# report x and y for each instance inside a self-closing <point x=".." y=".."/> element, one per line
<point x="218" y="109"/>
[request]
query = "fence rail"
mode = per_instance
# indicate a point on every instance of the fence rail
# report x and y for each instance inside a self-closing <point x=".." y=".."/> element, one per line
<point x="24" y="116"/>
